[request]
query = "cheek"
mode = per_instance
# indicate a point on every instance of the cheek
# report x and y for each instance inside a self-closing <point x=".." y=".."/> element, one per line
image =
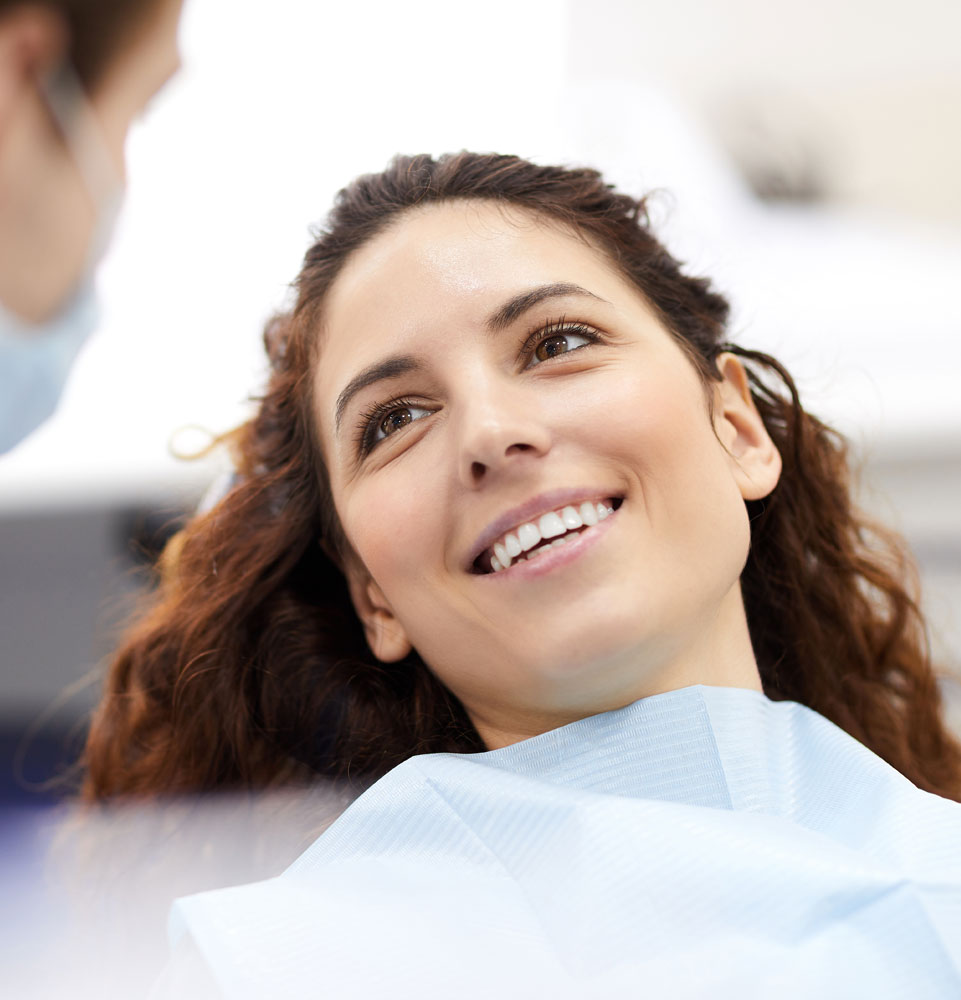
<point x="661" y="429"/>
<point x="392" y="528"/>
<point x="658" y="424"/>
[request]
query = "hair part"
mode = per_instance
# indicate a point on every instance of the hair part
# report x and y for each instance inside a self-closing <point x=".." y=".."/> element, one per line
<point x="251" y="667"/>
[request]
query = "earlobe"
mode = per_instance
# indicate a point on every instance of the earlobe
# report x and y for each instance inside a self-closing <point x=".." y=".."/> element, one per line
<point x="756" y="462"/>
<point x="385" y="635"/>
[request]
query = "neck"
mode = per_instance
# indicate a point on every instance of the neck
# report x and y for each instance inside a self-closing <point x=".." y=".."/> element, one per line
<point x="722" y="657"/>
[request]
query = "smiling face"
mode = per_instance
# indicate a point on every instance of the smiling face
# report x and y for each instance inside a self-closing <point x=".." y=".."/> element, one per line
<point x="489" y="383"/>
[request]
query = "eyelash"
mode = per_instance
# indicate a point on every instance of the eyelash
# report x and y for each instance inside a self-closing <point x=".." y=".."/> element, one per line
<point x="555" y="328"/>
<point x="370" y="419"/>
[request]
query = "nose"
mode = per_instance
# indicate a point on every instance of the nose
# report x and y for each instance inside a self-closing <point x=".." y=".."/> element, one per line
<point x="501" y="427"/>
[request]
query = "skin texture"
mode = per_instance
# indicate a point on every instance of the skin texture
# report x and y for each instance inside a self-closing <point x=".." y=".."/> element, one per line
<point x="652" y="602"/>
<point x="47" y="214"/>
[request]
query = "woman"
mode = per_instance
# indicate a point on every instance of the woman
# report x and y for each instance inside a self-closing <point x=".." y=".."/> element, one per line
<point x="509" y="490"/>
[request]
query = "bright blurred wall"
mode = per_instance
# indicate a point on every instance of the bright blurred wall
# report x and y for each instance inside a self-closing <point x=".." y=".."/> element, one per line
<point x="865" y="95"/>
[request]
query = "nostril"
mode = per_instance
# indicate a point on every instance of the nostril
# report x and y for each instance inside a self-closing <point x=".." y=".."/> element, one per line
<point x="484" y="456"/>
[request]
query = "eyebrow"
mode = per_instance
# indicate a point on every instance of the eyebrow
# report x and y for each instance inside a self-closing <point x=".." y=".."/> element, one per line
<point x="520" y="304"/>
<point x="403" y="364"/>
<point x="399" y="364"/>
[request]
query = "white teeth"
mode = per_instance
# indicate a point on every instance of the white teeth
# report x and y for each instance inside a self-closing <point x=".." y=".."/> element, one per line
<point x="556" y="525"/>
<point x="551" y="525"/>
<point x="528" y="536"/>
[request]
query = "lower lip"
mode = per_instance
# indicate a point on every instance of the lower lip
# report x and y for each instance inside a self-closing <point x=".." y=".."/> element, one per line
<point x="558" y="557"/>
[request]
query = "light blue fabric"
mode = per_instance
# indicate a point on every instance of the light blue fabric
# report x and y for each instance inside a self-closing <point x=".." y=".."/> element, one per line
<point x="35" y="363"/>
<point x="701" y="843"/>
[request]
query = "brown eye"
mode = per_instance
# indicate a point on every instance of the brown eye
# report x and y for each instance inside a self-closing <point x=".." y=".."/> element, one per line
<point x="551" y="347"/>
<point x="571" y="339"/>
<point x="386" y="420"/>
<point x="396" y="419"/>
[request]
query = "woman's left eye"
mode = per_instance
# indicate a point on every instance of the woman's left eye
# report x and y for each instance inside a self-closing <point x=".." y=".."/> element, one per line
<point x="556" y="340"/>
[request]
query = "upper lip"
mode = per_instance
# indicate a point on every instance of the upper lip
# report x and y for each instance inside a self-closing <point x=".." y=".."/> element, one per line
<point x="530" y="510"/>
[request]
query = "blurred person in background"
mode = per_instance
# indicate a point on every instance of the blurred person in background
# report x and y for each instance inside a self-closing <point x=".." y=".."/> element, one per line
<point x="74" y="76"/>
<point x="520" y="538"/>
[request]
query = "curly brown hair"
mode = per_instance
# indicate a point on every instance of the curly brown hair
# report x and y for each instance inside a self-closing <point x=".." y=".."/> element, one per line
<point x="251" y="667"/>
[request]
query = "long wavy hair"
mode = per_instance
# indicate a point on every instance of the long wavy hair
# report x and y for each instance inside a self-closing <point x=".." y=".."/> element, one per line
<point x="251" y="669"/>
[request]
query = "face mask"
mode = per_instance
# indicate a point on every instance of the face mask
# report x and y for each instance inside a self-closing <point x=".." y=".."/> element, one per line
<point x="35" y="362"/>
<point x="35" y="359"/>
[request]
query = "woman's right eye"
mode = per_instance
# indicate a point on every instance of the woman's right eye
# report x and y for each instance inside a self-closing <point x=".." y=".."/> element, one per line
<point x="385" y="421"/>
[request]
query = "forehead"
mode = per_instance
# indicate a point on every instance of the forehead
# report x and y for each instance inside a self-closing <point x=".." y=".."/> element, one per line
<point x="444" y="269"/>
<point x="463" y="249"/>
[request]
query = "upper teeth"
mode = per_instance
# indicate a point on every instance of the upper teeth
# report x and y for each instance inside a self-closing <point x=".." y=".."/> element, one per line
<point x="555" y="524"/>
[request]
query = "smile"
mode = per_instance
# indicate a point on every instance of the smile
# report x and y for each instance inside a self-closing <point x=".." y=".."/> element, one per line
<point x="533" y="538"/>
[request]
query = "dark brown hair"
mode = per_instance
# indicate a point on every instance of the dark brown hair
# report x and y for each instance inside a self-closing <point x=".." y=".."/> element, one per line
<point x="97" y="29"/>
<point x="251" y="667"/>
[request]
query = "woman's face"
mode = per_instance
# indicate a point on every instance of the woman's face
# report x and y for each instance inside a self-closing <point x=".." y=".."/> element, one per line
<point x="488" y="383"/>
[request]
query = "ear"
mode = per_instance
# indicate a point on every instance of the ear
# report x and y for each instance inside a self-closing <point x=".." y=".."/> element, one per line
<point x="756" y="462"/>
<point x="33" y="40"/>
<point x="385" y="635"/>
